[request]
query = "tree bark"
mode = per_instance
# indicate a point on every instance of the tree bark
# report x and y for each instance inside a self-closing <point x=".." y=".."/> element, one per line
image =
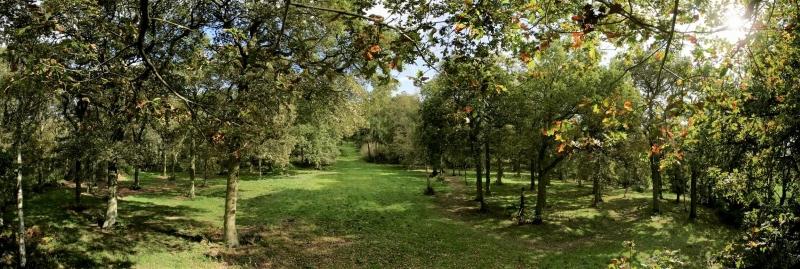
<point x="205" y="172"/>
<point x="476" y="155"/>
<point x="369" y="152"/>
<point x="136" y="182"/>
<point x="260" y="173"/>
<point x="111" y="209"/>
<point x="499" y="180"/>
<point x="172" y="175"/>
<point x="192" y="169"/>
<point x="231" y="194"/>
<point x="693" y="193"/>
<point x="541" y="199"/>
<point x="488" y="160"/>
<point x="596" y="191"/>
<point x="532" y="168"/>
<point x="78" y="182"/>
<point x="20" y="211"/>
<point x="164" y="162"/>
<point x="655" y="176"/>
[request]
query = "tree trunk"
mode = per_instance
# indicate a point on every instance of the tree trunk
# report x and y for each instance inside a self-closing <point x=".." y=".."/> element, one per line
<point x="136" y="182"/>
<point x="499" y="180"/>
<point x="693" y="193"/>
<point x="78" y="182"/>
<point x="231" y="193"/>
<point x="488" y="160"/>
<point x="205" y="172"/>
<point x="20" y="213"/>
<point x="532" y="168"/>
<point x="260" y="173"/>
<point x="369" y="152"/>
<point x="111" y="210"/>
<point x="172" y="175"/>
<point x="192" y="169"/>
<point x="655" y="176"/>
<point x="521" y="214"/>
<point x="518" y="166"/>
<point x="164" y="163"/>
<point x="596" y="191"/>
<point x="541" y="198"/>
<point x="39" y="175"/>
<point x="476" y="155"/>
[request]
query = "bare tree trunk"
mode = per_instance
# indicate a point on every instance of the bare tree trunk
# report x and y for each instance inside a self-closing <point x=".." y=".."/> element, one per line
<point x="136" y="182"/>
<point x="192" y="170"/>
<point x="533" y="174"/>
<point x="205" y="172"/>
<point x="164" y="162"/>
<point x="111" y="209"/>
<point x="499" y="180"/>
<point x="655" y="176"/>
<point x="78" y="182"/>
<point x="231" y="193"/>
<point x="488" y="159"/>
<point x="20" y="213"/>
<point x="693" y="192"/>
<point x="172" y="175"/>
<point x="476" y="155"/>
<point x="596" y="191"/>
<point x="541" y="199"/>
<point x="91" y="186"/>
<point x="369" y="152"/>
<point x="521" y="214"/>
<point x="260" y="173"/>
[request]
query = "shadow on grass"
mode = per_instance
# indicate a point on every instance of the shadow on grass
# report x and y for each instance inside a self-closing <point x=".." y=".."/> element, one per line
<point x="576" y="235"/>
<point x="61" y="237"/>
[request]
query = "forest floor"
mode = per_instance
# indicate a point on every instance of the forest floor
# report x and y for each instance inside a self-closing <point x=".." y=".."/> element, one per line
<point x="356" y="214"/>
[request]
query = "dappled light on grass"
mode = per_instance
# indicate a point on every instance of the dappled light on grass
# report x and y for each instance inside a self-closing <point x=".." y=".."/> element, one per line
<point x="375" y="216"/>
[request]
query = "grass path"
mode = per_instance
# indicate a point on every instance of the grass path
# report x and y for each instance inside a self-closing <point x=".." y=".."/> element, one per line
<point x="357" y="214"/>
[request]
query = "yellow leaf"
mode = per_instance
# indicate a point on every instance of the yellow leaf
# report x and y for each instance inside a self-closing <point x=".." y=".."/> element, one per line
<point x="460" y="27"/>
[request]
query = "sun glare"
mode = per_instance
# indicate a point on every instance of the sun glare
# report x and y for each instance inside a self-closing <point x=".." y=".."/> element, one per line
<point x="736" y="26"/>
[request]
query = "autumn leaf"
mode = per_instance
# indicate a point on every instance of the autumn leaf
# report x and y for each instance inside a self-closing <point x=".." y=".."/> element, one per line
<point x="659" y="55"/>
<point x="577" y="18"/>
<point x="561" y="147"/>
<point x="460" y="27"/>
<point x="525" y="57"/>
<point x="375" y="48"/>
<point x="368" y="56"/>
<point x="577" y="39"/>
<point x="628" y="106"/>
<point x="655" y="149"/>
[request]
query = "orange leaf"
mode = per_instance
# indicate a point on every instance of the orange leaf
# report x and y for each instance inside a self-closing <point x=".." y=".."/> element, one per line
<point x="577" y="39"/>
<point x="655" y="149"/>
<point x="525" y="57"/>
<point x="375" y="48"/>
<point x="561" y="147"/>
<point x="628" y="106"/>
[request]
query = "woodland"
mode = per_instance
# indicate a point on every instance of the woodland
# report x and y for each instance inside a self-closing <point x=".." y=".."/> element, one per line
<point x="399" y="134"/>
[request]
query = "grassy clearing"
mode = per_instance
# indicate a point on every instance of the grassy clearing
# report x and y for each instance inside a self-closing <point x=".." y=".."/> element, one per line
<point x="357" y="214"/>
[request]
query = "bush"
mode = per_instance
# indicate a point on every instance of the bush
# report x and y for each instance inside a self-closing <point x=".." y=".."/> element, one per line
<point x="771" y="240"/>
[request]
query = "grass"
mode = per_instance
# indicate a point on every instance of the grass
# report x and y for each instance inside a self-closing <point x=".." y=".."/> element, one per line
<point x="356" y="214"/>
